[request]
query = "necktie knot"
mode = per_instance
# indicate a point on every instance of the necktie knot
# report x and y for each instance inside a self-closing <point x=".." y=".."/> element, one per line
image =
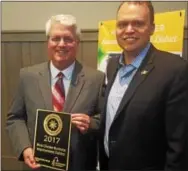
<point x="60" y="75"/>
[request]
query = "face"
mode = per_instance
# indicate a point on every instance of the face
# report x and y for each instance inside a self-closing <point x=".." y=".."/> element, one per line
<point x="133" y="27"/>
<point x="62" y="45"/>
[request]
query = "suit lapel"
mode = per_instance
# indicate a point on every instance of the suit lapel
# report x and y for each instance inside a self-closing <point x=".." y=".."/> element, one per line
<point x="143" y="71"/>
<point x="45" y="86"/>
<point x="111" y="72"/>
<point x="75" y="88"/>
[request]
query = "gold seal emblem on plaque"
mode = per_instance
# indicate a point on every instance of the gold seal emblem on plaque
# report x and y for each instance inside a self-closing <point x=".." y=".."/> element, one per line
<point x="53" y="124"/>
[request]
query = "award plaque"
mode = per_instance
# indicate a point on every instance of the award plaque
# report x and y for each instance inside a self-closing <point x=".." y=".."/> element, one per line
<point x="52" y="139"/>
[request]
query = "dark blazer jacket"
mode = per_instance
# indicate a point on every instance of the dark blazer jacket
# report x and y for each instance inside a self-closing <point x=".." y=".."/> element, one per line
<point x="149" y="128"/>
<point x="34" y="92"/>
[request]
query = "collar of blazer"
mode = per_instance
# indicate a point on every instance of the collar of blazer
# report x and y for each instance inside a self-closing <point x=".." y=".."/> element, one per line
<point x="143" y="71"/>
<point x="75" y="88"/>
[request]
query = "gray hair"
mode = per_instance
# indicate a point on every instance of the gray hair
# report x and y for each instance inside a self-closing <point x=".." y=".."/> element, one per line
<point x="65" y="19"/>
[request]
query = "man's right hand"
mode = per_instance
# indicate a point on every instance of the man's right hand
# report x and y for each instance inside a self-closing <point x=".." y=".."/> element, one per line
<point x="29" y="158"/>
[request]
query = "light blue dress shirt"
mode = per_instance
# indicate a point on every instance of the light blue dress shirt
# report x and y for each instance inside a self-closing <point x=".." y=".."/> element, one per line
<point x="118" y="89"/>
<point x="66" y="79"/>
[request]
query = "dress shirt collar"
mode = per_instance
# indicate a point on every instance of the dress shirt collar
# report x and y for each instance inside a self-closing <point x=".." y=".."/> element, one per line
<point x="138" y="60"/>
<point x="66" y="72"/>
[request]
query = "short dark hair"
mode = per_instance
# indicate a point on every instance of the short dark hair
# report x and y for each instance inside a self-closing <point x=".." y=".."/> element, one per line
<point x="147" y="3"/>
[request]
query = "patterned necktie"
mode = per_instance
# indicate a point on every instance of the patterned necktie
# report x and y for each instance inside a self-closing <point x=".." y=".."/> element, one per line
<point x="58" y="94"/>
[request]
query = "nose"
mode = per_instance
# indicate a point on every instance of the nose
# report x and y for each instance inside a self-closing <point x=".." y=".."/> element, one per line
<point x="61" y="42"/>
<point x="129" y="28"/>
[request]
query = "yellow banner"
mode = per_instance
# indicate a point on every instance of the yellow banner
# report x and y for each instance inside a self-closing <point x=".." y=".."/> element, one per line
<point x="168" y="36"/>
<point x="169" y="29"/>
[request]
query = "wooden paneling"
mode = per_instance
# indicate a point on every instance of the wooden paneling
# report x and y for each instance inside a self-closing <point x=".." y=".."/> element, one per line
<point x="33" y="36"/>
<point x="79" y="56"/>
<point x="10" y="164"/>
<point x="38" y="52"/>
<point x="89" y="56"/>
<point x="26" y="54"/>
<point x="21" y="49"/>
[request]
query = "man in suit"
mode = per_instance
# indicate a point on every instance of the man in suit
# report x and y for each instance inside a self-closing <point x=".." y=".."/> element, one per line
<point x="82" y="91"/>
<point x="146" y="100"/>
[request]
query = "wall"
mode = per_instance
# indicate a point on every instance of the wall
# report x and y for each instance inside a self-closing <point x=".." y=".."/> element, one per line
<point x="33" y="15"/>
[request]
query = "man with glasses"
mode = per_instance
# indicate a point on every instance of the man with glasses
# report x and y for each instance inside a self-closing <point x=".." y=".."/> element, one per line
<point x="82" y="87"/>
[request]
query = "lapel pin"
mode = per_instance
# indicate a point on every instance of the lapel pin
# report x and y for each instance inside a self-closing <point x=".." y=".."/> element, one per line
<point x="144" y="72"/>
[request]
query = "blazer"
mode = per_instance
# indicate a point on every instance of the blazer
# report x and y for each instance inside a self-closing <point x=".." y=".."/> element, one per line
<point x="34" y="92"/>
<point x="149" y="128"/>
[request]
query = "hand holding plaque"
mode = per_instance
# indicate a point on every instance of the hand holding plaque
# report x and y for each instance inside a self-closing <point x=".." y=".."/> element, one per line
<point x="52" y="139"/>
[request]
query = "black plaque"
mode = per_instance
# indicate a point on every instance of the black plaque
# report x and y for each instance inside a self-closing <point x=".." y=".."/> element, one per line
<point x="52" y="139"/>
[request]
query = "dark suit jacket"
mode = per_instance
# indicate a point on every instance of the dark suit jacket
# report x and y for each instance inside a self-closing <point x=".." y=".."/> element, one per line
<point x="34" y="92"/>
<point x="149" y="128"/>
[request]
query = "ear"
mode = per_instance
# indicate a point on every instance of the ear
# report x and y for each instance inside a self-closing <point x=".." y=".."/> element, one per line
<point x="152" y="30"/>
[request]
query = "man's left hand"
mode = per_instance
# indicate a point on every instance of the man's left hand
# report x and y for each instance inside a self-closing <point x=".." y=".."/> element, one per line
<point x="81" y="121"/>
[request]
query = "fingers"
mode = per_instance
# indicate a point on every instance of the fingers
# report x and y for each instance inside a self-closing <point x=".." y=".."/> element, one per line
<point x="83" y="130"/>
<point x="80" y="124"/>
<point x="29" y="158"/>
<point x="81" y="121"/>
<point x="83" y="118"/>
<point x="31" y="163"/>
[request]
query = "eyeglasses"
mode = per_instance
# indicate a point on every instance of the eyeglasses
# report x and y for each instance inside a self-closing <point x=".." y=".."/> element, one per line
<point x="66" y="39"/>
